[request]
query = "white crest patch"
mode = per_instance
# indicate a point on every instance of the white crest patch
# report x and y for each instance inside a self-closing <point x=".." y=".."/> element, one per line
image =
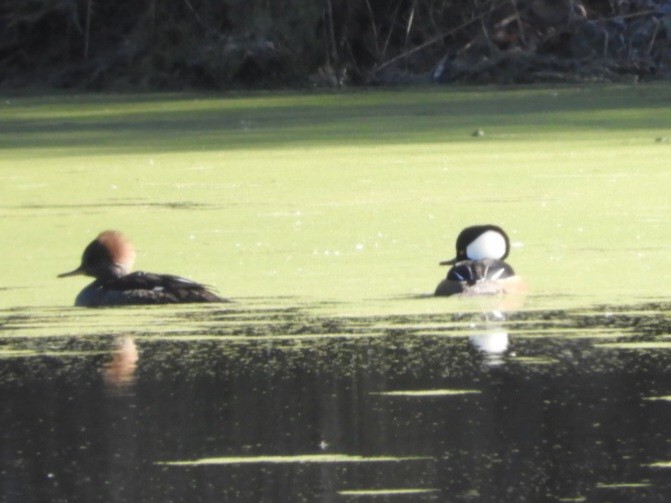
<point x="489" y="244"/>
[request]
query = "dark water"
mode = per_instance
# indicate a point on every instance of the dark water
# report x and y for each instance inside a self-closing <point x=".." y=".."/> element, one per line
<point x="283" y="405"/>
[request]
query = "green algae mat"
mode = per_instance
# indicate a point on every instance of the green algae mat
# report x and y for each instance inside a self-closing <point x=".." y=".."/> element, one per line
<point x="350" y="196"/>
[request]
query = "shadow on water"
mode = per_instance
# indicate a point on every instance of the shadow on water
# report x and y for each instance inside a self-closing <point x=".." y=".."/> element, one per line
<point x="136" y="123"/>
<point x="276" y="403"/>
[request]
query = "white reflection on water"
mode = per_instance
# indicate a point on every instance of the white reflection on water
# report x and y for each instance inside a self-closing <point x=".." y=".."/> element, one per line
<point x="493" y="344"/>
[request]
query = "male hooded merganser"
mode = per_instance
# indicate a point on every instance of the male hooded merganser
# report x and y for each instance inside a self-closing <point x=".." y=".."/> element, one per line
<point x="109" y="259"/>
<point x="479" y="267"/>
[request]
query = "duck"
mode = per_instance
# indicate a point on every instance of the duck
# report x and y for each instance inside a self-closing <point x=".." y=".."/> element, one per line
<point x="479" y="267"/>
<point x="109" y="259"/>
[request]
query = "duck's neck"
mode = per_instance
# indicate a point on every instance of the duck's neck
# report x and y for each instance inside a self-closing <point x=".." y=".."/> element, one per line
<point x="105" y="272"/>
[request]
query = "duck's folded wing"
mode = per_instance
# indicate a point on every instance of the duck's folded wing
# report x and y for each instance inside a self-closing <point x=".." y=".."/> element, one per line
<point x="474" y="271"/>
<point x="162" y="288"/>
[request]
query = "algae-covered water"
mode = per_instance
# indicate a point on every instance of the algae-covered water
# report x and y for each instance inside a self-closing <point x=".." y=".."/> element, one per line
<point x="335" y="375"/>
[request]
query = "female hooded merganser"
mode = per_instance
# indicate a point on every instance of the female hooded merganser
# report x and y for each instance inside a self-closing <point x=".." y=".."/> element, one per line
<point x="109" y="259"/>
<point x="479" y="267"/>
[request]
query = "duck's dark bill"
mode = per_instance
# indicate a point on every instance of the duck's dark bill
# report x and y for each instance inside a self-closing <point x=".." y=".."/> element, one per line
<point x="449" y="262"/>
<point x="76" y="272"/>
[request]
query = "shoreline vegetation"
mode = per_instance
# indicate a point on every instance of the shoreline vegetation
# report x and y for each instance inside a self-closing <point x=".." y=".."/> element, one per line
<point x="222" y="45"/>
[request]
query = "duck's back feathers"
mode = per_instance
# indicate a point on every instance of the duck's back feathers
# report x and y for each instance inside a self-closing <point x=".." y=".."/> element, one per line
<point x="479" y="277"/>
<point x="473" y="271"/>
<point x="145" y="288"/>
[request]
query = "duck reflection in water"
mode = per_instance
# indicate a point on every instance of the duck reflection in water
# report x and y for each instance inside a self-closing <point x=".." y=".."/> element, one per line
<point x="492" y="341"/>
<point x="109" y="259"/>
<point x="119" y="371"/>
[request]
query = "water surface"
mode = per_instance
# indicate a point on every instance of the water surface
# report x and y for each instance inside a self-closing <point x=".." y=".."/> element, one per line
<point x="335" y="376"/>
<point x="279" y="404"/>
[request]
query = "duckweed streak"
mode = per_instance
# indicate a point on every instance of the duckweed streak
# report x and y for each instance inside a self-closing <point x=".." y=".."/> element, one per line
<point x="660" y="464"/>
<point x="623" y="485"/>
<point x="302" y="459"/>
<point x="386" y="492"/>
<point x="659" y="398"/>
<point x="533" y="360"/>
<point x="426" y="393"/>
<point x="635" y="345"/>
